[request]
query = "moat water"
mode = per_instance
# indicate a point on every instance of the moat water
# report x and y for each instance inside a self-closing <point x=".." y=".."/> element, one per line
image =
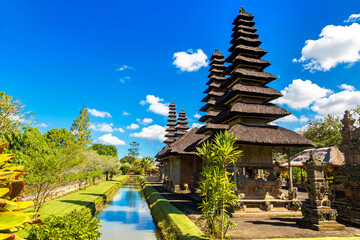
<point x="128" y="216"/>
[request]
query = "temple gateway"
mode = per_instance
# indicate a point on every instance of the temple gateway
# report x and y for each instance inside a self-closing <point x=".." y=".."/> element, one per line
<point x="237" y="100"/>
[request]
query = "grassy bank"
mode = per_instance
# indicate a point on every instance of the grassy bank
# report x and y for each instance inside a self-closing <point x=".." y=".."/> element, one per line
<point x="173" y="223"/>
<point x="321" y="238"/>
<point x="91" y="197"/>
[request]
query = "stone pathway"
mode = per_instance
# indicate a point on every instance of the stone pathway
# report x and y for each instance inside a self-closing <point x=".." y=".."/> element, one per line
<point x="253" y="228"/>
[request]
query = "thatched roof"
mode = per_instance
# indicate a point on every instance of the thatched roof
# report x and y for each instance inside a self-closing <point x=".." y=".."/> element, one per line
<point x="266" y="110"/>
<point x="183" y="145"/>
<point x="217" y="66"/>
<point x="259" y="64"/>
<point x="242" y="27"/>
<point x="252" y="51"/>
<point x="241" y="32"/>
<point x="240" y="89"/>
<point x="269" y="135"/>
<point x="243" y="15"/>
<point x="215" y="72"/>
<point x="217" y="61"/>
<point x="254" y="42"/>
<point x="217" y="54"/>
<point x="331" y="156"/>
<point x="214" y="127"/>
<point x="243" y="22"/>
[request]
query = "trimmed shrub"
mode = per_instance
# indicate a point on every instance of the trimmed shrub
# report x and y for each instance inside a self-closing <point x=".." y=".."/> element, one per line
<point x="139" y="171"/>
<point x="125" y="169"/>
<point x="79" y="225"/>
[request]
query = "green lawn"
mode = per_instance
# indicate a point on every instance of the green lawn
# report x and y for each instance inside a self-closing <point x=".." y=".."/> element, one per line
<point x="80" y="199"/>
<point x="321" y="238"/>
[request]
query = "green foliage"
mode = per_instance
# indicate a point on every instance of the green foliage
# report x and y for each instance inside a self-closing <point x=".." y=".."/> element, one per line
<point x="325" y="132"/>
<point x="12" y="115"/>
<point x="102" y="149"/>
<point x="88" y="175"/>
<point x="74" y="225"/>
<point x="128" y="159"/>
<point x="80" y="129"/>
<point x="11" y="186"/>
<point x="125" y="169"/>
<point x="146" y="162"/>
<point x="134" y="149"/>
<point x="139" y="171"/>
<point x="58" y="137"/>
<point x="296" y="173"/>
<point x="215" y="188"/>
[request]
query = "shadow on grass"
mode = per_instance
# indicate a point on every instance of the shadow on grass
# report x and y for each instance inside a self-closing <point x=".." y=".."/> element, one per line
<point x="87" y="204"/>
<point x="92" y="194"/>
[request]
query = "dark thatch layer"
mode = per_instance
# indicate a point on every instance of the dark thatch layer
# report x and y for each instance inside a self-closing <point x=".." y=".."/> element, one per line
<point x="242" y="22"/>
<point x="259" y="64"/>
<point x="215" y="71"/>
<point x="213" y="127"/>
<point x="266" y="110"/>
<point x="243" y="15"/>
<point x="269" y="135"/>
<point x="170" y="134"/>
<point x="240" y="89"/>
<point x="216" y="78"/>
<point x="243" y="33"/>
<point x="217" y="67"/>
<point x="217" y="54"/>
<point x="253" y="42"/>
<point x="331" y="156"/>
<point x="217" y="61"/>
<point x="246" y="50"/>
<point x="242" y="27"/>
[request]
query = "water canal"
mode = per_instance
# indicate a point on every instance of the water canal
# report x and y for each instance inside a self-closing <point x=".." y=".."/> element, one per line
<point x="128" y="215"/>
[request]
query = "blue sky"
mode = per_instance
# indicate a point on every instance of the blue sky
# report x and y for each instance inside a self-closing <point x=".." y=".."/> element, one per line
<point x="134" y="57"/>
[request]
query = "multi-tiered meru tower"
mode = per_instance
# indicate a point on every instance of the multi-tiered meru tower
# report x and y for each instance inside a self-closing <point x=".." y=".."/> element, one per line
<point x="171" y="126"/>
<point x="241" y="104"/>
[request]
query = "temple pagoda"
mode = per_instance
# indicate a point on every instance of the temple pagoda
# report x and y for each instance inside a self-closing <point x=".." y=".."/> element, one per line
<point x="171" y="126"/>
<point x="182" y="127"/>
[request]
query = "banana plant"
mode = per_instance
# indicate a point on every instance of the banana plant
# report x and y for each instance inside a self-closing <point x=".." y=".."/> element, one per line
<point x="12" y="185"/>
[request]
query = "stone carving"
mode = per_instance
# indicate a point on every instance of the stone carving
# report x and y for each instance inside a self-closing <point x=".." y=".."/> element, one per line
<point x="266" y="206"/>
<point x="317" y="213"/>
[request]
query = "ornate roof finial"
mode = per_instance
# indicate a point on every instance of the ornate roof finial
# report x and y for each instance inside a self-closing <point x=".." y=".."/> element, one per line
<point x="242" y="10"/>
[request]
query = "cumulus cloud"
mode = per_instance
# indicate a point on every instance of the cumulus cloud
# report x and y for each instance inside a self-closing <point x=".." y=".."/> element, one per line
<point x="153" y="132"/>
<point x="347" y="87"/>
<point x="337" y="103"/>
<point x="303" y="118"/>
<point x="353" y="18"/>
<point x="289" y="118"/>
<point x="124" y="67"/>
<point x="133" y="126"/>
<point x="196" y="115"/>
<point x="125" y="113"/>
<point x="42" y="125"/>
<point x="104" y="127"/>
<point x="190" y="61"/>
<point x="337" y="44"/>
<point x="110" y="139"/>
<point x="302" y="129"/>
<point x="196" y="125"/>
<point x="145" y="121"/>
<point x="97" y="113"/>
<point x="301" y="94"/>
<point x="156" y="105"/>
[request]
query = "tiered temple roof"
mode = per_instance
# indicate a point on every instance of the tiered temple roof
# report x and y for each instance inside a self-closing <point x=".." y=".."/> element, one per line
<point x="182" y="127"/>
<point x="171" y="126"/>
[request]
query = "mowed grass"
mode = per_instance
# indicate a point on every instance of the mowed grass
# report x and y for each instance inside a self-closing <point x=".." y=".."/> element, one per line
<point x="80" y="199"/>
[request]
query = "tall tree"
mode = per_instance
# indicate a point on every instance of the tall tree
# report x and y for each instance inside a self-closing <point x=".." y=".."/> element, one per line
<point x="102" y="149"/>
<point x="12" y="115"/>
<point x="80" y="129"/>
<point x="134" y="149"/>
<point x="325" y="132"/>
<point x="58" y="137"/>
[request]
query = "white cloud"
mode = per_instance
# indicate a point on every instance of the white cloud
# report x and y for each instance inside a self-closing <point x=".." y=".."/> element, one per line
<point x="302" y="129"/>
<point x="156" y="105"/>
<point x="110" y="139"/>
<point x="353" y="18"/>
<point x="153" y="132"/>
<point x="289" y="118"/>
<point x="318" y="117"/>
<point x="337" y="44"/>
<point x="104" y="127"/>
<point x="196" y="115"/>
<point x="124" y="67"/>
<point x="124" y="79"/>
<point x="97" y="113"/>
<point x="337" y="103"/>
<point x="196" y="125"/>
<point x="42" y="125"/>
<point x="133" y="126"/>
<point x="125" y="113"/>
<point x="190" y="61"/>
<point x="301" y="94"/>
<point x="145" y="121"/>
<point x="303" y="119"/>
<point x="347" y="87"/>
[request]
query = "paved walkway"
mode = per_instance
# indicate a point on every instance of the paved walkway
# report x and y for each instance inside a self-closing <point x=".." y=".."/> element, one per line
<point x="253" y="228"/>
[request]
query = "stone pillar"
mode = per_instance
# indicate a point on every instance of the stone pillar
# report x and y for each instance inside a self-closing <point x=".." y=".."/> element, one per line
<point x="317" y="213"/>
<point x="235" y="175"/>
<point x="291" y="185"/>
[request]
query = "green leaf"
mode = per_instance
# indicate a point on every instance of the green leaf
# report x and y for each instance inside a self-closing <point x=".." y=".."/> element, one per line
<point x="13" y="219"/>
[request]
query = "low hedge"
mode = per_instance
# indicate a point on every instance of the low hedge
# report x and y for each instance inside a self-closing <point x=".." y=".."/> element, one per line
<point x="174" y="224"/>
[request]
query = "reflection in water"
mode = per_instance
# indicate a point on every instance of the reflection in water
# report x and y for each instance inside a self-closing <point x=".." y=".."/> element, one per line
<point x="127" y="216"/>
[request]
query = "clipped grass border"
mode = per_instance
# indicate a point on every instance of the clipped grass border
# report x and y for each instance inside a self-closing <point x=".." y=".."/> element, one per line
<point x="174" y="224"/>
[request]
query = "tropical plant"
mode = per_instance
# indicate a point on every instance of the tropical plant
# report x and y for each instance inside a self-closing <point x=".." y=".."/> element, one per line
<point x="215" y="187"/>
<point x="125" y="169"/>
<point x="139" y="171"/>
<point x="12" y="219"/>
<point x="146" y="162"/>
<point x="78" y="224"/>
